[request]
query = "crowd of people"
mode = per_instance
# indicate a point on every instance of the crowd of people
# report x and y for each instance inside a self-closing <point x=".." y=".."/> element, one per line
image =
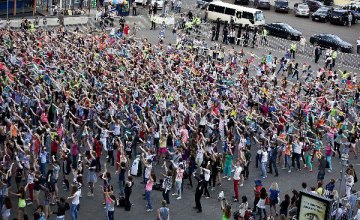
<point x="77" y="107"/>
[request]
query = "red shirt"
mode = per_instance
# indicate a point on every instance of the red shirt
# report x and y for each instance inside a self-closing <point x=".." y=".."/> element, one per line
<point x="98" y="147"/>
<point x="54" y="147"/>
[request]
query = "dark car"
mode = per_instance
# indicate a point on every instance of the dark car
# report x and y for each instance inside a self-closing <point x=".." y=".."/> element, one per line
<point x="241" y="2"/>
<point x="314" y="5"/>
<point x="341" y="16"/>
<point x="281" y="6"/>
<point x="265" y="4"/>
<point x="355" y="9"/>
<point x="322" y="14"/>
<point x="283" y="30"/>
<point x="203" y="3"/>
<point x="330" y="40"/>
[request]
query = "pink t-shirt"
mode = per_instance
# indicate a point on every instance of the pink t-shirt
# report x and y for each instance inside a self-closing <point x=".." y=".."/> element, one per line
<point x="149" y="185"/>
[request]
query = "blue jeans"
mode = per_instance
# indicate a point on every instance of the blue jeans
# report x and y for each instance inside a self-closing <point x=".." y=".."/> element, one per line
<point x="178" y="187"/>
<point x="111" y="215"/>
<point x="43" y="168"/>
<point x="74" y="211"/>
<point x="121" y="188"/>
<point x="227" y="170"/>
<point x="328" y="158"/>
<point x="263" y="169"/>
<point x="287" y="162"/>
<point x="147" y="196"/>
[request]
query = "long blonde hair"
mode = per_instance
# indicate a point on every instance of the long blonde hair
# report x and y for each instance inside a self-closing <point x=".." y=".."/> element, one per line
<point x="274" y="186"/>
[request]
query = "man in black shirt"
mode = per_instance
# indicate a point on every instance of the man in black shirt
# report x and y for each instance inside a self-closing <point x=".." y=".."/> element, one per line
<point x="199" y="191"/>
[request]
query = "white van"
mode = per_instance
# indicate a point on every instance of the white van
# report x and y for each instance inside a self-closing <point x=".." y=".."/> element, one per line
<point x="241" y="15"/>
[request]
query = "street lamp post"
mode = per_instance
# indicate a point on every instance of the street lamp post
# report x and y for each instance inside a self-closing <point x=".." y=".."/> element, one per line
<point x="7" y="10"/>
<point x="344" y="163"/>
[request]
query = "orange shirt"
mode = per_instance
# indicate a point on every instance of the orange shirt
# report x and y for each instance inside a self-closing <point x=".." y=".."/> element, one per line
<point x="288" y="150"/>
<point x="13" y="131"/>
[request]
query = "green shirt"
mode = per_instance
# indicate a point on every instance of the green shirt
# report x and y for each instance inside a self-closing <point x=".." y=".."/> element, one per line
<point x="228" y="159"/>
<point x="224" y="217"/>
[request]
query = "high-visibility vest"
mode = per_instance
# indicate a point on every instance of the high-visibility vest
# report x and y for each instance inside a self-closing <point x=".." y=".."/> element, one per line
<point x="334" y="54"/>
<point x="265" y="33"/>
<point x="293" y="47"/>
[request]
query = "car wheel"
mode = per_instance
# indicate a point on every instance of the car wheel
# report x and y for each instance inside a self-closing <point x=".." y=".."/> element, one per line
<point x="289" y="37"/>
<point x="313" y="19"/>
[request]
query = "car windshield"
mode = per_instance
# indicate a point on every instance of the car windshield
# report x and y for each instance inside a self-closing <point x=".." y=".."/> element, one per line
<point x="259" y="16"/>
<point x="336" y="38"/>
<point x="303" y="7"/>
<point x="322" y="10"/>
<point x="288" y="27"/>
<point x="283" y="4"/>
<point x="337" y="13"/>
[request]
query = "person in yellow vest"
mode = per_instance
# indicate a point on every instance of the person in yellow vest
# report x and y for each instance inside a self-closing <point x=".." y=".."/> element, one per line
<point x="333" y="56"/>
<point x="264" y="35"/>
<point x="293" y="50"/>
<point x="32" y="27"/>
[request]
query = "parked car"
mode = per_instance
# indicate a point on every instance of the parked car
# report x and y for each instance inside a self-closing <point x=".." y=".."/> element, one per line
<point x="341" y="16"/>
<point x="282" y="6"/>
<point x="160" y="3"/>
<point x="331" y="40"/>
<point x="322" y="14"/>
<point x="203" y="3"/>
<point x="301" y="10"/>
<point x="355" y="9"/>
<point x="265" y="4"/>
<point x="241" y="2"/>
<point x="283" y="30"/>
<point x="314" y="5"/>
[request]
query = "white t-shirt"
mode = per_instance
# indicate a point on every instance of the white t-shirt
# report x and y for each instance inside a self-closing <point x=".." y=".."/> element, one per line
<point x="206" y="174"/>
<point x="135" y="167"/>
<point x="264" y="157"/>
<point x="76" y="199"/>
<point x="237" y="173"/>
<point x="297" y="148"/>
<point x="116" y="129"/>
<point x="200" y="154"/>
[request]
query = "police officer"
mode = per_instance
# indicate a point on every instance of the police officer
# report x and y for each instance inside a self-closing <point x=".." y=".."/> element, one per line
<point x="213" y="32"/>
<point x="293" y="50"/>
<point x="333" y="57"/>
<point x="264" y="34"/>
<point x="153" y="22"/>
<point x="317" y="53"/>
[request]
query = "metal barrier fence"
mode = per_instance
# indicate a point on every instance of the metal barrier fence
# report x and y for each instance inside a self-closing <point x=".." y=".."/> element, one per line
<point x="350" y="60"/>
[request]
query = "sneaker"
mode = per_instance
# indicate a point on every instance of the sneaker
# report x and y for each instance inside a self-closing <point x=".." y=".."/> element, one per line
<point x="212" y="189"/>
<point x="229" y="178"/>
<point x="149" y="210"/>
<point x="90" y="194"/>
<point x="310" y="170"/>
<point x="225" y="177"/>
<point x="329" y="171"/>
<point x="174" y="194"/>
<point x="178" y="198"/>
<point x="283" y="168"/>
<point x="241" y="185"/>
<point x="207" y="197"/>
<point x="289" y="171"/>
<point x="29" y="203"/>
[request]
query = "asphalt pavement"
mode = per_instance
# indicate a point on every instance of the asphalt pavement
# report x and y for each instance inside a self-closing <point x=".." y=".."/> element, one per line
<point x="92" y="208"/>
